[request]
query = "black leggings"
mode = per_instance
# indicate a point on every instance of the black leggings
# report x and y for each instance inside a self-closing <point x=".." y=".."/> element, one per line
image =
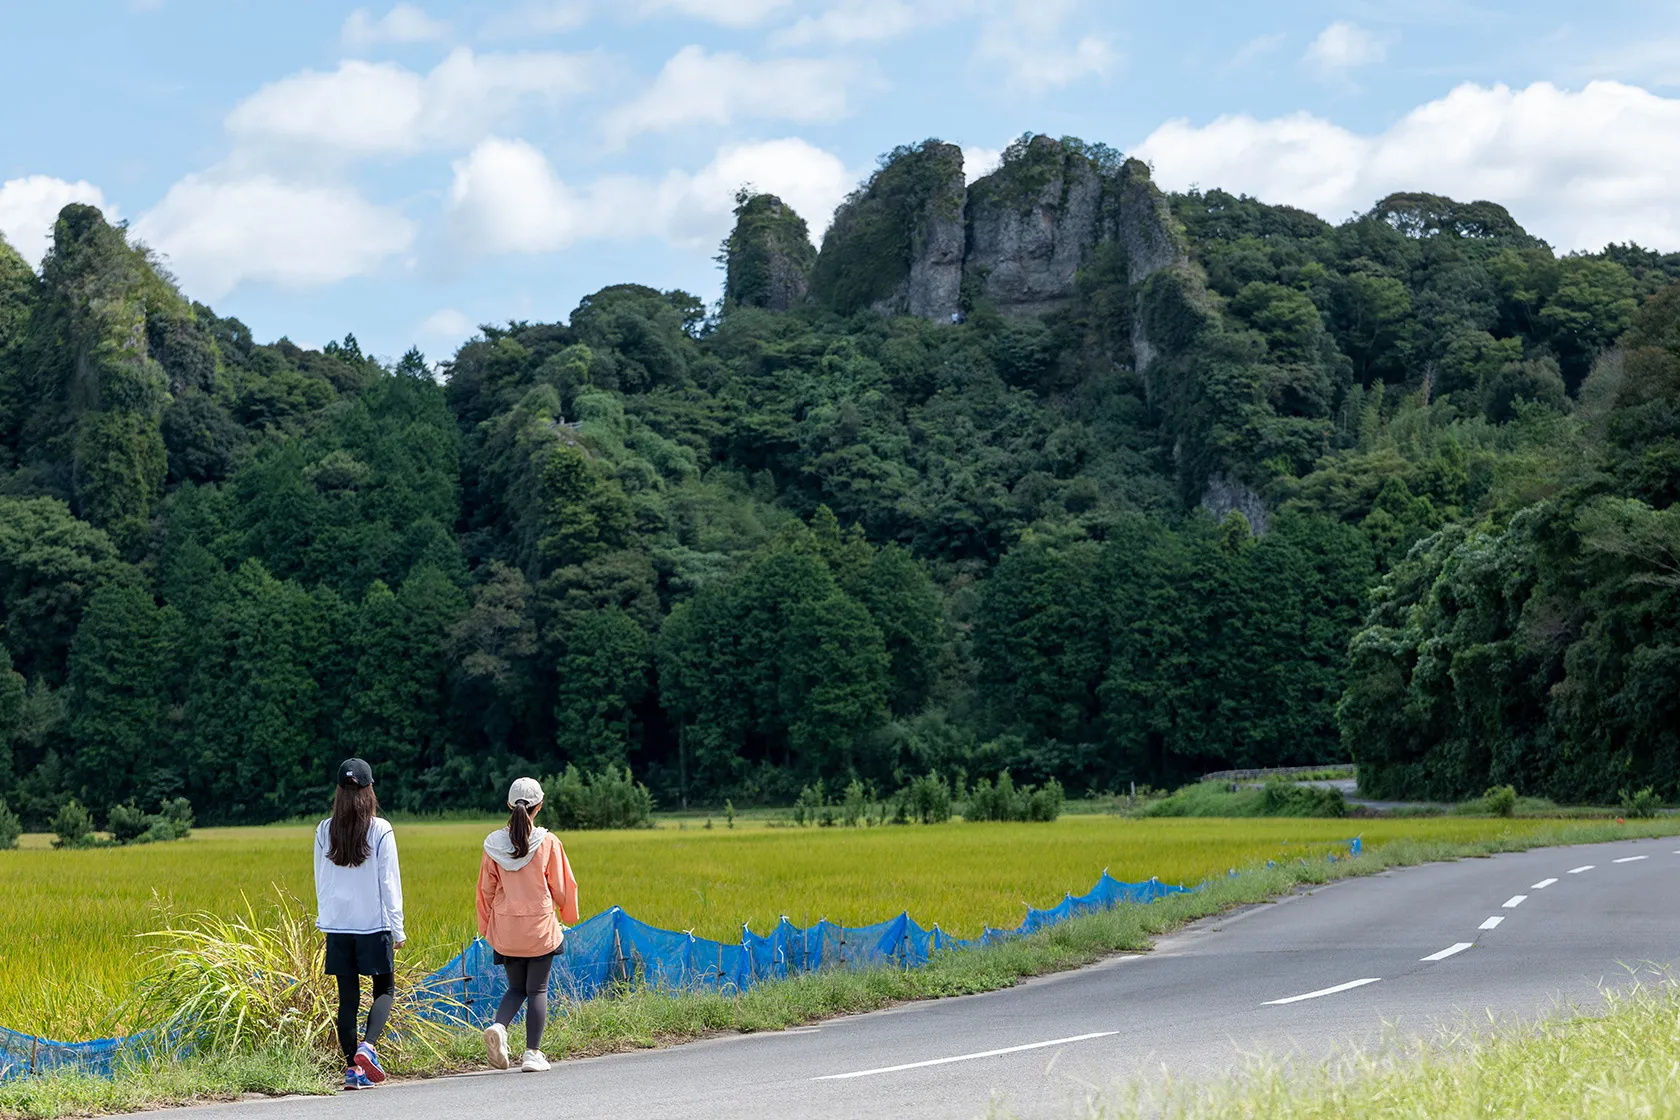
<point x="350" y="999"/>
<point x="528" y="984"/>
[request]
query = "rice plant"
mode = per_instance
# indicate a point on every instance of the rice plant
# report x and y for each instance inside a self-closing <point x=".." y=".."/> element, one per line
<point x="248" y="980"/>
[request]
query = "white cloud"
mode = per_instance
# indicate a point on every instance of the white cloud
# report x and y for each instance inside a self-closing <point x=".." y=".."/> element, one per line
<point x="864" y="21"/>
<point x="380" y="108"/>
<point x="402" y="24"/>
<point x="546" y="17"/>
<point x="1343" y="48"/>
<point x="699" y="88"/>
<point x="507" y="198"/>
<point x="29" y="207"/>
<point x="219" y="232"/>
<point x="980" y="162"/>
<point x="1257" y="47"/>
<point x="446" y="324"/>
<point x="1578" y="168"/>
<point x="1028" y="43"/>
<point x="728" y="13"/>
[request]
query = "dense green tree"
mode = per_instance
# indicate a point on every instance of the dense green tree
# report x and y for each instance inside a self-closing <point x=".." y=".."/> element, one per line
<point x="123" y="665"/>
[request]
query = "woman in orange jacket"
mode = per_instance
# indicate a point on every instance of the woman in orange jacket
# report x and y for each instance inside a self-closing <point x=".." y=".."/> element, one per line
<point x="525" y="891"/>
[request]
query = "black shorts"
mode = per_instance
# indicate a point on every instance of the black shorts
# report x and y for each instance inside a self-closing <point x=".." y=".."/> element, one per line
<point x="365" y="954"/>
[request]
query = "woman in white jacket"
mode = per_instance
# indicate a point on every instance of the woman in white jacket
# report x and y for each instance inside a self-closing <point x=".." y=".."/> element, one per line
<point x="358" y="896"/>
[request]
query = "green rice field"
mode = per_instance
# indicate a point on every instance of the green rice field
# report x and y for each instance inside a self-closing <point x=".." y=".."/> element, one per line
<point x="70" y="958"/>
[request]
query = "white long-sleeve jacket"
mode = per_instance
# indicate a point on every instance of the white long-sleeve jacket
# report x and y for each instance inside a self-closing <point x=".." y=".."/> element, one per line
<point x="365" y="899"/>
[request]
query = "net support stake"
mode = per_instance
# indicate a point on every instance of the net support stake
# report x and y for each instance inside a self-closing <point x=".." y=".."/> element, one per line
<point x="34" y="1053"/>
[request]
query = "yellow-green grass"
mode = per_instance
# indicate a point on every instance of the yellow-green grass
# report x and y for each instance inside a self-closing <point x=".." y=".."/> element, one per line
<point x="1620" y="1063"/>
<point x="70" y="958"/>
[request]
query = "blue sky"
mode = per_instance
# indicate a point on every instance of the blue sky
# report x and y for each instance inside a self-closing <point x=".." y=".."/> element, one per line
<point x="406" y="172"/>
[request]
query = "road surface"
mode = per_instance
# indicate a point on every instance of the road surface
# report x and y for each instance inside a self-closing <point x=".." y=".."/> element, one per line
<point x="1516" y="934"/>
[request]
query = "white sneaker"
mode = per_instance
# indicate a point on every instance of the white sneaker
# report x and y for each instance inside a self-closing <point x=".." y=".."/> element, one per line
<point x="534" y="1062"/>
<point x="495" y="1045"/>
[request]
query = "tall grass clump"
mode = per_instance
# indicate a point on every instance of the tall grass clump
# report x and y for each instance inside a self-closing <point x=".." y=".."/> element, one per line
<point x="248" y="981"/>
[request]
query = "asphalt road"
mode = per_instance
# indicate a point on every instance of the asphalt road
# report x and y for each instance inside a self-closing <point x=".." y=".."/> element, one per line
<point x="1520" y="934"/>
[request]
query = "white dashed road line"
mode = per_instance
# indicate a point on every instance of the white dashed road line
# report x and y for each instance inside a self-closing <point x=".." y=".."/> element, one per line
<point x="963" y="1057"/>
<point x="1630" y="859"/>
<point x="1515" y="901"/>
<point x="1491" y="923"/>
<point x="1544" y="883"/>
<point x="1324" y="991"/>
<point x="1578" y="870"/>
<point x="1447" y="952"/>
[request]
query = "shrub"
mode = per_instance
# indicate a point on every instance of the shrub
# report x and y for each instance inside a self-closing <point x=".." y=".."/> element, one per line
<point x="927" y="799"/>
<point x="854" y="810"/>
<point x="808" y="808"/>
<point x="10" y="826"/>
<point x="608" y="799"/>
<point x="1640" y="806"/>
<point x="1004" y="802"/>
<point x="1500" y="801"/>
<point x="73" y="825"/>
<point x="126" y="823"/>
<point x="1047" y="802"/>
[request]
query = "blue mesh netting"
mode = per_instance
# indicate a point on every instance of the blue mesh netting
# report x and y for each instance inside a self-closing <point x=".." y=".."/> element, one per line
<point x="612" y="948"/>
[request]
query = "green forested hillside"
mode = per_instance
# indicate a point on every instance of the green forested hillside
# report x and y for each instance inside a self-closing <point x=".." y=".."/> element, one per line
<point x="743" y="549"/>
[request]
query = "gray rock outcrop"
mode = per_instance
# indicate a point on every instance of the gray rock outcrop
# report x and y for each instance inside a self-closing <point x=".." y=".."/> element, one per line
<point x="1032" y="224"/>
<point x="1225" y="495"/>
<point x="916" y="239"/>
<point x="768" y="256"/>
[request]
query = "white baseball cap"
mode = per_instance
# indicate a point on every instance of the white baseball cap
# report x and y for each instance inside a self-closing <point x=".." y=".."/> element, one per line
<point x="524" y="793"/>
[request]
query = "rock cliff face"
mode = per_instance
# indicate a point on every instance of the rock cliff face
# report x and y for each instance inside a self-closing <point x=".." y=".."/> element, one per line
<point x="914" y="240"/>
<point x="896" y="245"/>
<point x="768" y="257"/>
<point x="1226" y="495"/>
<point x="933" y="289"/>
<point x="1031" y="225"/>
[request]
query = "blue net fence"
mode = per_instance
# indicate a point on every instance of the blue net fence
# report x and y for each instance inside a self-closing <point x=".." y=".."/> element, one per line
<point x="613" y="950"/>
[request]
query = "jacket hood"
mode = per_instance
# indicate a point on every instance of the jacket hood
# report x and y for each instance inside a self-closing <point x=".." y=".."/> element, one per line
<point x="499" y="847"/>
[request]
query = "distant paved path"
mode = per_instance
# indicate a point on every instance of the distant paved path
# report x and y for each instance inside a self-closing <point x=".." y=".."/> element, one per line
<point x="1512" y="933"/>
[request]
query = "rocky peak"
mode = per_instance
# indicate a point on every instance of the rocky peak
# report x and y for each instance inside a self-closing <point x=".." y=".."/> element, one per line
<point x="768" y="256"/>
<point x="896" y="245"/>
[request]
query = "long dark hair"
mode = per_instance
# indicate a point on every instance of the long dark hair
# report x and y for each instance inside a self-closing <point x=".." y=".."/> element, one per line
<point x="353" y="810"/>
<point x="519" y="829"/>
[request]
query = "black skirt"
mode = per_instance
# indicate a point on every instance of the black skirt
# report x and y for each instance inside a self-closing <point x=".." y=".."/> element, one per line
<point x="364" y="954"/>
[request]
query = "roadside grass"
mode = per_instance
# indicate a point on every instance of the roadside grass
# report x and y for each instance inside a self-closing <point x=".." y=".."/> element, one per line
<point x="271" y="1072"/>
<point x="642" y="1018"/>
<point x="1621" y="1063"/>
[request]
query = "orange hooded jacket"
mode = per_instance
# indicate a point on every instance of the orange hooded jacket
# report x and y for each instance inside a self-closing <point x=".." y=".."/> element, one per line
<point x="524" y="903"/>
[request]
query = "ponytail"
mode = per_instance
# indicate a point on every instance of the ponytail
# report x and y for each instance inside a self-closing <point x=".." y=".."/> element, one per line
<point x="519" y="830"/>
<point x="347" y="836"/>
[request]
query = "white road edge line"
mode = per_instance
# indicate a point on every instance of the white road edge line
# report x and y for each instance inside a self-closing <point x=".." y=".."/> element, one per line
<point x="963" y="1057"/>
<point x="1515" y="901"/>
<point x="1630" y="859"/>
<point x="1323" y="991"/>
<point x="1578" y="870"/>
<point x="1542" y="884"/>
<point x="1447" y="952"/>
<point x="1491" y="923"/>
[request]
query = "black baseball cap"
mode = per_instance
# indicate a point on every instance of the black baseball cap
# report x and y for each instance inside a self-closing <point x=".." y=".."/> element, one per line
<point x="355" y="772"/>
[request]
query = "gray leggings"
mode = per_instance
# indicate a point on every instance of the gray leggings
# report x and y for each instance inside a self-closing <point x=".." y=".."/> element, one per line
<point x="528" y="984"/>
